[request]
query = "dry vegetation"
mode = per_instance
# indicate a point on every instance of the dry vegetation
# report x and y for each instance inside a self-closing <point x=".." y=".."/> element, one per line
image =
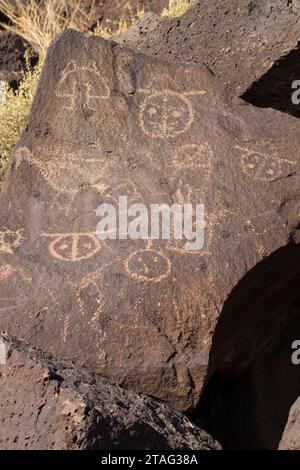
<point x="39" y="21"/>
<point x="14" y="113"/>
<point x="177" y="7"/>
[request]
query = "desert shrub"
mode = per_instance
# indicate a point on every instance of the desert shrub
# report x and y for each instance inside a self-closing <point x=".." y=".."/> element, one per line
<point x="177" y="7"/>
<point x="14" y="112"/>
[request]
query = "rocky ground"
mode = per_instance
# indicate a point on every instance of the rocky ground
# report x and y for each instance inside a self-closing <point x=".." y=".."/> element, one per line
<point x="175" y="110"/>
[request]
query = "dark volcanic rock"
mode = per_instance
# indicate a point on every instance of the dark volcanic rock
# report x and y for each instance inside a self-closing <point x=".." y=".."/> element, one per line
<point x="12" y="50"/>
<point x="45" y="404"/>
<point x="107" y="122"/>
<point x="238" y="39"/>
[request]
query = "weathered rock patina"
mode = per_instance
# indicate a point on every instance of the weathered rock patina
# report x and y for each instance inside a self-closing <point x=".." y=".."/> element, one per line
<point x="108" y="122"/>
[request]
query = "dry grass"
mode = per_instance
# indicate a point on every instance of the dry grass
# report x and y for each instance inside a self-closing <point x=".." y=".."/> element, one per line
<point x="14" y="113"/>
<point x="177" y="7"/>
<point x="40" y="21"/>
<point x="129" y="17"/>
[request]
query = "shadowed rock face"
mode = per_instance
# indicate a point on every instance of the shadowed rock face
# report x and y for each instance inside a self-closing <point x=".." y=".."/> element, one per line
<point x="47" y="404"/>
<point x="254" y="380"/>
<point x="239" y="40"/>
<point x="107" y="122"/>
<point x="12" y="62"/>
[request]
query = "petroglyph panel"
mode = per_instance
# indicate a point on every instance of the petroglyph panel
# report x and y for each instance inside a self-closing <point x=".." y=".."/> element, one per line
<point x="73" y="247"/>
<point x="10" y="240"/>
<point x="264" y="166"/>
<point x="77" y="84"/>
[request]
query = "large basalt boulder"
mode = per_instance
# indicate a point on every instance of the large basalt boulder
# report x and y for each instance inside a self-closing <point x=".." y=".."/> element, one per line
<point x="239" y="40"/>
<point x="107" y="122"/>
<point x="50" y="405"/>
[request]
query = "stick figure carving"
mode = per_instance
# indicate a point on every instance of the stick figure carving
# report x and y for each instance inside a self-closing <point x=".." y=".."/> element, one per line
<point x="78" y="83"/>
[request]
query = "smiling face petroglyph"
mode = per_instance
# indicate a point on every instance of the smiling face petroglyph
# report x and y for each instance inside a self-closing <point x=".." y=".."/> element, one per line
<point x="148" y="265"/>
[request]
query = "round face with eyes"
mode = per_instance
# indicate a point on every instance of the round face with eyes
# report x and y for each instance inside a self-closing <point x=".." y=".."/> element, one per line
<point x="166" y="114"/>
<point x="74" y="247"/>
<point x="265" y="168"/>
<point x="148" y="266"/>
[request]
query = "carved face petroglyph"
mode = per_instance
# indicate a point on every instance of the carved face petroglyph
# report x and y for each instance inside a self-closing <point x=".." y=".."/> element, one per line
<point x="166" y="114"/>
<point x="148" y="265"/>
<point x="73" y="246"/>
<point x="262" y="166"/>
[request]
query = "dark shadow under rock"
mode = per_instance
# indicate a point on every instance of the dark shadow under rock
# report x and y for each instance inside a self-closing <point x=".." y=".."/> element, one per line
<point x="252" y="382"/>
<point x="275" y="88"/>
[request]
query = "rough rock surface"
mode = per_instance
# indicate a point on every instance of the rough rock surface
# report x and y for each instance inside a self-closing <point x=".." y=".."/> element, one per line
<point x="12" y="50"/>
<point x="45" y="404"/>
<point x="238" y="39"/>
<point x="290" y="439"/>
<point x="143" y="313"/>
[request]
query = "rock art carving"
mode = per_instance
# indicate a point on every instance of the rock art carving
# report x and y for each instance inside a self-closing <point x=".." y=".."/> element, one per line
<point x="167" y="113"/>
<point x="12" y="300"/>
<point x="10" y="240"/>
<point x="193" y="156"/>
<point x="78" y="83"/>
<point x="65" y="174"/>
<point x="148" y="265"/>
<point x="73" y="246"/>
<point x="262" y="166"/>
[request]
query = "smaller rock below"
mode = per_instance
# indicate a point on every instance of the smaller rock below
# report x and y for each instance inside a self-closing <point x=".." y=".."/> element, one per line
<point x="49" y="405"/>
<point x="291" y="436"/>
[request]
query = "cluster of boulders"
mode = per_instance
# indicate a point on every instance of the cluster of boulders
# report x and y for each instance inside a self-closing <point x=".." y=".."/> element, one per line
<point x="154" y="115"/>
